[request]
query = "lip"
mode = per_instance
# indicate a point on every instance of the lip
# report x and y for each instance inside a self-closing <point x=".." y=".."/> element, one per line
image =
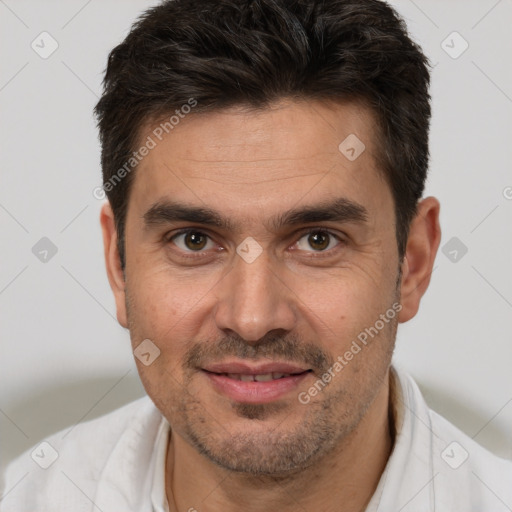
<point x="254" y="392"/>
<point x="254" y="369"/>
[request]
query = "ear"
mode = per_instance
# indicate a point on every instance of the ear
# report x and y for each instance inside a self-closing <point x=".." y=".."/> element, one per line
<point x="420" y="253"/>
<point x="113" y="262"/>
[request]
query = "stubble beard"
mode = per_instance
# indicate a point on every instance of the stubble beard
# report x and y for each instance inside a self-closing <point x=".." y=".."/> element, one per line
<point x="277" y="452"/>
<point x="282" y="450"/>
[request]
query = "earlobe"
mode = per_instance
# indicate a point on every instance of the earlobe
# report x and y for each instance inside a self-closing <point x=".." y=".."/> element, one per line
<point x="113" y="263"/>
<point x="422" y="245"/>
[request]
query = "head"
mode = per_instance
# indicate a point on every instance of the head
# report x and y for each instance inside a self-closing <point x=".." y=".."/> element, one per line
<point x="264" y="163"/>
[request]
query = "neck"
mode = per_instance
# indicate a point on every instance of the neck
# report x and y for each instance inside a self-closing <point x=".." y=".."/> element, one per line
<point x="348" y="476"/>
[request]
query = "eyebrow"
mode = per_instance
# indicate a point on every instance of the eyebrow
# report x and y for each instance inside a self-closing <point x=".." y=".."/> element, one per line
<point x="337" y="210"/>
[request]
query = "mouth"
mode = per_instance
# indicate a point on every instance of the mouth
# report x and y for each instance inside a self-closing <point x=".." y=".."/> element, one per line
<point x="259" y="383"/>
<point x="259" y="377"/>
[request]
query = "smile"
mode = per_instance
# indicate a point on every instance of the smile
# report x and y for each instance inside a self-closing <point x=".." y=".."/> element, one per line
<point x="255" y="384"/>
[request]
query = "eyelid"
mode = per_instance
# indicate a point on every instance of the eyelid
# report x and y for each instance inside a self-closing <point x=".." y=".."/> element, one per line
<point x="316" y="229"/>
<point x="173" y="234"/>
<point x="169" y="237"/>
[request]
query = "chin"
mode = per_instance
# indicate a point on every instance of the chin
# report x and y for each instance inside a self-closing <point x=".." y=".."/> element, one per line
<point x="260" y="441"/>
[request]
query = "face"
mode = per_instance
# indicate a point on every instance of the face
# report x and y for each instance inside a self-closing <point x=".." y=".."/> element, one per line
<point x="258" y="256"/>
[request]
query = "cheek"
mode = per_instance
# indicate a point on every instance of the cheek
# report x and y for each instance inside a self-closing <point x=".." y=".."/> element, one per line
<point x="346" y="293"/>
<point x="339" y="308"/>
<point x="163" y="297"/>
<point x="171" y="310"/>
<point x="157" y="313"/>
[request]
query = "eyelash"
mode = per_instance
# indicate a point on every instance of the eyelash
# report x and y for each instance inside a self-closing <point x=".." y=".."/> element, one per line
<point x="300" y="234"/>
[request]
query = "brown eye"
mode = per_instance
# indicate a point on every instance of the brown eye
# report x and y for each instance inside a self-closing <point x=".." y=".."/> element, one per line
<point x="192" y="241"/>
<point x="195" y="241"/>
<point x="318" y="240"/>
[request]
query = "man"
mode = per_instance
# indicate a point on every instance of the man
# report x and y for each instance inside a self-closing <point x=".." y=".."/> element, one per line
<point x="265" y="233"/>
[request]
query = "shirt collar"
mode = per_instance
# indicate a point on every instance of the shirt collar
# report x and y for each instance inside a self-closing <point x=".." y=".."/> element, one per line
<point x="158" y="493"/>
<point x="409" y="469"/>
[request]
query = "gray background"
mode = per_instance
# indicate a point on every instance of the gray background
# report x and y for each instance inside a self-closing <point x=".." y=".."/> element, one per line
<point x="65" y="359"/>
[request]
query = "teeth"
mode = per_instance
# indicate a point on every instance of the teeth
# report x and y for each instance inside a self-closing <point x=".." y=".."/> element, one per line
<point x="263" y="377"/>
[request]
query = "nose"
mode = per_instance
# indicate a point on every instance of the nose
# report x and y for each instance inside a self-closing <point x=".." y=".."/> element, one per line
<point x="253" y="300"/>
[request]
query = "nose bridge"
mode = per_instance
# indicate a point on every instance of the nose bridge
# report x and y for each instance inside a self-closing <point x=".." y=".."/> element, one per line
<point x="253" y="301"/>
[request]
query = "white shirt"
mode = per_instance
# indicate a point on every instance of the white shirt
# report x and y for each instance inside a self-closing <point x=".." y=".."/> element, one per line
<point x="116" y="463"/>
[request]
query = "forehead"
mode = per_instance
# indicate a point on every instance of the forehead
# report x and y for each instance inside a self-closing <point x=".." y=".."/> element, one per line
<point x="249" y="162"/>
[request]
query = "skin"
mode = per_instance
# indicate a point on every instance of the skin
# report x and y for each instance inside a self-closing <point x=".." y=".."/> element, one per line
<point x="297" y="301"/>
